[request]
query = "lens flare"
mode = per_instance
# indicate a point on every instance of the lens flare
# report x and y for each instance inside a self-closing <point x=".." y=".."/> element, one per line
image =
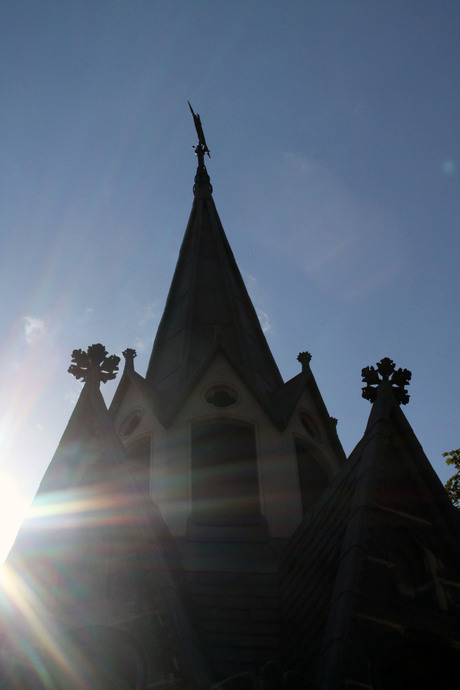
<point x="13" y="508"/>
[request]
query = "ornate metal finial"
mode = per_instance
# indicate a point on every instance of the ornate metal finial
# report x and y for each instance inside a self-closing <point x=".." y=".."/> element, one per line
<point x="386" y="372"/>
<point x="304" y="358"/>
<point x="202" y="146"/>
<point x="94" y="364"/>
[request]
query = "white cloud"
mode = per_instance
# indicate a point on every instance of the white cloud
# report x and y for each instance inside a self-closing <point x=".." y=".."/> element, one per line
<point x="253" y="286"/>
<point x="139" y="345"/>
<point x="150" y="312"/>
<point x="34" y="329"/>
<point x="264" y="321"/>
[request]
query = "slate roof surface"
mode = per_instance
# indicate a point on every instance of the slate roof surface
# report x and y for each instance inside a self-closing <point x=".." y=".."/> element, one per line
<point x="309" y="572"/>
<point x="239" y="618"/>
<point x="75" y="452"/>
<point x="322" y="568"/>
<point x="208" y="303"/>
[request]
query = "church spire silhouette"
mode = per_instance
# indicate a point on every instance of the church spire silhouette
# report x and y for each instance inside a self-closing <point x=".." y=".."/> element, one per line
<point x="207" y="295"/>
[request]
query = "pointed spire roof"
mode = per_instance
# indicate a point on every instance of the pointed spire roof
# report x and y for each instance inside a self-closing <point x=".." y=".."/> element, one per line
<point x="91" y="515"/>
<point x="208" y="306"/>
<point x="89" y="440"/>
<point x="330" y="547"/>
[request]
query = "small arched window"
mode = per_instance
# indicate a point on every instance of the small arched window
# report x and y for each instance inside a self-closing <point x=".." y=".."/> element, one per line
<point x="313" y="477"/>
<point x="409" y="565"/>
<point x="224" y="480"/>
<point x="415" y="570"/>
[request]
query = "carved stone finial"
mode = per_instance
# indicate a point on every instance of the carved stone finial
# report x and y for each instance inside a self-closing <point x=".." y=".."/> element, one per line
<point x="94" y="364"/>
<point x="304" y="358"/>
<point x="129" y="355"/>
<point x="386" y="372"/>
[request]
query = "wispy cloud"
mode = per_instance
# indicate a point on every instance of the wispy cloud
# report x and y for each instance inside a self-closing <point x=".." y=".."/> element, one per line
<point x="139" y="345"/>
<point x="34" y="329"/>
<point x="257" y="298"/>
<point x="150" y="312"/>
<point x="264" y="321"/>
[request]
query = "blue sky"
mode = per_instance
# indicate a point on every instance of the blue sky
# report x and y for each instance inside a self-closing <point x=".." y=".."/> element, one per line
<point x="334" y="135"/>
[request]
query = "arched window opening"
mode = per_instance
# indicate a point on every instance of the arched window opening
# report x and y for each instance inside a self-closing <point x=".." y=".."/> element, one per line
<point x="224" y="482"/>
<point x="138" y="455"/>
<point x="313" y="478"/>
<point x="222" y="395"/>
<point x="414" y="576"/>
<point x="410" y="569"/>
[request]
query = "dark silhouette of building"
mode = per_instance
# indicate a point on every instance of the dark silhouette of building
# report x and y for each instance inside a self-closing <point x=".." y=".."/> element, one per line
<point x="207" y="529"/>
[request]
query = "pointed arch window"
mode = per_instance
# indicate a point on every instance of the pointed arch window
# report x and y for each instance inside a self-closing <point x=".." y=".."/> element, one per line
<point x="409" y="565"/>
<point x="313" y="478"/>
<point x="415" y="571"/>
<point x="224" y="479"/>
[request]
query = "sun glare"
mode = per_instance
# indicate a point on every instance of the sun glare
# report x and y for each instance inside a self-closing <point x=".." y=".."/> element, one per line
<point x="13" y="508"/>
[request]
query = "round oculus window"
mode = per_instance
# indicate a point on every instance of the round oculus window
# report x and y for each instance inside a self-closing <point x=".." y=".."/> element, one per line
<point x="221" y="395"/>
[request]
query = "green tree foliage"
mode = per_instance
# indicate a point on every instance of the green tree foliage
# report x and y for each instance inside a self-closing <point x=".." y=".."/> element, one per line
<point x="453" y="484"/>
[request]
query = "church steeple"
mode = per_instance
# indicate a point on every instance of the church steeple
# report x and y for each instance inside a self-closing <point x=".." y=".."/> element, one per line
<point x="208" y="307"/>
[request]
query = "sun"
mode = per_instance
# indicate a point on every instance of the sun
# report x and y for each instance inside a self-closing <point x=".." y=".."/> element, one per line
<point x="13" y="508"/>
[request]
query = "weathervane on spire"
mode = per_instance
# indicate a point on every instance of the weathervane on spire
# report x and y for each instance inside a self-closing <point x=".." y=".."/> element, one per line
<point x="202" y="146"/>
